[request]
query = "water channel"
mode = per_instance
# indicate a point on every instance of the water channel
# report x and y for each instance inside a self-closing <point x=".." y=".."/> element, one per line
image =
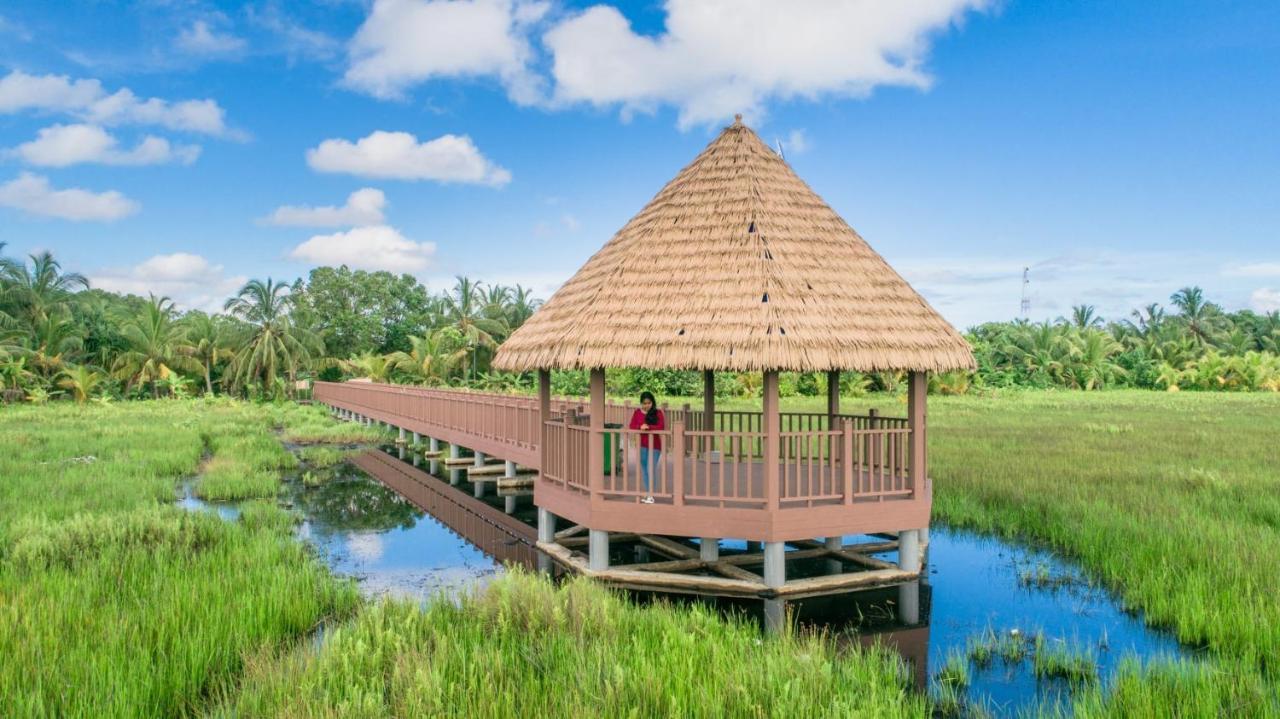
<point x="406" y="527"/>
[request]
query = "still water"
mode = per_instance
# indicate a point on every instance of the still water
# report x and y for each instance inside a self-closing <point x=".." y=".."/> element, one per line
<point x="406" y="527"/>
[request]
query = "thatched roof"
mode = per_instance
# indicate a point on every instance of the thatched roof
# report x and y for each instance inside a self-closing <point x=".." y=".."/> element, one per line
<point x="736" y="265"/>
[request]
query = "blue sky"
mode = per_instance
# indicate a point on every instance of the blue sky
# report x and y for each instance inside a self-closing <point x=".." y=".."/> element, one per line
<point x="1120" y="150"/>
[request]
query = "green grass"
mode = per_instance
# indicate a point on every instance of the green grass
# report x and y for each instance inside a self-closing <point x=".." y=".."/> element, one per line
<point x="1060" y="659"/>
<point x="113" y="602"/>
<point x="524" y="648"/>
<point x="320" y="457"/>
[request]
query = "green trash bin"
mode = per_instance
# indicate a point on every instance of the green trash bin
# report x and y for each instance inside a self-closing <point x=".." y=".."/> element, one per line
<point x="611" y="450"/>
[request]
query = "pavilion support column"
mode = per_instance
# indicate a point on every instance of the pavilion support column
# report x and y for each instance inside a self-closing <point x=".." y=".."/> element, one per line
<point x="509" y="504"/>
<point x="833" y="397"/>
<point x="709" y="550"/>
<point x="477" y="488"/>
<point x="400" y="450"/>
<point x="775" y="564"/>
<point x="434" y="444"/>
<point x="909" y="602"/>
<point x="404" y="435"/>
<point x="917" y="397"/>
<point x="544" y="415"/>
<point x="480" y="459"/>
<point x="909" y="550"/>
<point x="546" y="526"/>
<point x="598" y="550"/>
<point x="509" y="470"/>
<point x="708" y="400"/>
<point x="595" y="448"/>
<point x="417" y="439"/>
<point x="771" y="425"/>
<point x="455" y="451"/>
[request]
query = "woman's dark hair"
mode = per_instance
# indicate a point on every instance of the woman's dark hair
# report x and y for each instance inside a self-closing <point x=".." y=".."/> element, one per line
<point x="650" y="417"/>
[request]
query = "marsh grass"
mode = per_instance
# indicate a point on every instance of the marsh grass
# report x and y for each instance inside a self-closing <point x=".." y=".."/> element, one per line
<point x="114" y="602"/>
<point x="321" y="457"/>
<point x="525" y="648"/>
<point x="1060" y="659"/>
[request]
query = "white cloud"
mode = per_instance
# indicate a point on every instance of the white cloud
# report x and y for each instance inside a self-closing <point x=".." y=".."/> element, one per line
<point x="32" y="194"/>
<point x="1265" y="299"/>
<point x="86" y="99"/>
<point x="405" y="42"/>
<point x="295" y="40"/>
<point x="1254" y="269"/>
<point x="200" y="39"/>
<point x="718" y="57"/>
<point x="376" y="247"/>
<point x="63" y="145"/>
<point x="797" y="142"/>
<point x="399" y="155"/>
<point x="364" y="207"/>
<point x="191" y="281"/>
<point x="570" y="222"/>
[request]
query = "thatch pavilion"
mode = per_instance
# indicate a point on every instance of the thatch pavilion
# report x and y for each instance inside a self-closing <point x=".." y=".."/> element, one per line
<point x="737" y="265"/>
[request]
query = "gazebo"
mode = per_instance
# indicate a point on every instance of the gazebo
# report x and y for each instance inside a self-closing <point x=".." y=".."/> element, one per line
<point x="737" y="265"/>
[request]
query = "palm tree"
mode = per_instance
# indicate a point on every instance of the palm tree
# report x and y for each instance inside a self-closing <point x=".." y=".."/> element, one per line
<point x="371" y="366"/>
<point x="465" y="314"/>
<point x="521" y="307"/>
<point x="53" y="341"/>
<point x="157" y="347"/>
<point x="1084" y="317"/>
<point x="210" y="344"/>
<point x="1040" y="349"/>
<point x="35" y="291"/>
<point x="1202" y="318"/>
<point x="1090" y="365"/>
<point x="430" y="358"/>
<point x="81" y="381"/>
<point x="276" y="347"/>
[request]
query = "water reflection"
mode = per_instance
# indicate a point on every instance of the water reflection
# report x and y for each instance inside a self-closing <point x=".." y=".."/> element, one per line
<point x="403" y="531"/>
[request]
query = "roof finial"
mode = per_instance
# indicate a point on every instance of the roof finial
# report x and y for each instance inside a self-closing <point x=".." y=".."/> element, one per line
<point x="737" y="119"/>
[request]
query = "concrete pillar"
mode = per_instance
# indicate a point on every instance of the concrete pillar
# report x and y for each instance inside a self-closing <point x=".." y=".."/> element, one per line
<point x="909" y="550"/>
<point x="417" y="440"/>
<point x="709" y="549"/>
<point x="598" y="550"/>
<point x="775" y="564"/>
<point x="455" y="476"/>
<point x="417" y="459"/>
<point x="909" y="603"/>
<point x="546" y="526"/>
<point x="834" y="565"/>
<point x="509" y="505"/>
<point x="400" y="451"/>
<point x="434" y="444"/>
<point x="403" y="435"/>
<point x="477" y="489"/>
<point x="455" y="451"/>
<point x="479" y="459"/>
<point x="433" y="468"/>
<point x="509" y="470"/>
<point x="775" y="615"/>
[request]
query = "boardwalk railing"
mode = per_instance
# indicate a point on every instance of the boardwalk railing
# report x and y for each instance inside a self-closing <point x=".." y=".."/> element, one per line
<point x="822" y="461"/>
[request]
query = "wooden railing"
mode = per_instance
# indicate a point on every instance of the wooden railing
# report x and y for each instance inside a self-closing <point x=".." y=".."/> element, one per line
<point x="862" y="458"/>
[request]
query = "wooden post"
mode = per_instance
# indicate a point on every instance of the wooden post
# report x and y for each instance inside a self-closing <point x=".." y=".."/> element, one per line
<point x="833" y="397"/>
<point x="677" y="457"/>
<point x="771" y="425"/>
<point x="595" y="441"/>
<point x="544" y="414"/>
<point x="708" y="401"/>
<point x="917" y="392"/>
<point x="846" y="461"/>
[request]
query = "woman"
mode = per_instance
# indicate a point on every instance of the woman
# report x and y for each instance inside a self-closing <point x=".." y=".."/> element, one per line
<point x="648" y="419"/>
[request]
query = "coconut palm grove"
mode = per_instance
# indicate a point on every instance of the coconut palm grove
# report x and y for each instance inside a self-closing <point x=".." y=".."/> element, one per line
<point x="65" y="340"/>
<point x="617" y="358"/>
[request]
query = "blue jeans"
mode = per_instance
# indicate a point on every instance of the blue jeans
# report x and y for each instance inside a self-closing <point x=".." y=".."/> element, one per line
<point x="644" y="463"/>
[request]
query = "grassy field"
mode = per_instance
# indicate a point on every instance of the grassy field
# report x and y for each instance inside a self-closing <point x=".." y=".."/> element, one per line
<point x="1173" y="500"/>
<point x="114" y="602"/>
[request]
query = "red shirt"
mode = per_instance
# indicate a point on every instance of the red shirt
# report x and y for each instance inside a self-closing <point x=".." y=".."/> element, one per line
<point x="637" y="419"/>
